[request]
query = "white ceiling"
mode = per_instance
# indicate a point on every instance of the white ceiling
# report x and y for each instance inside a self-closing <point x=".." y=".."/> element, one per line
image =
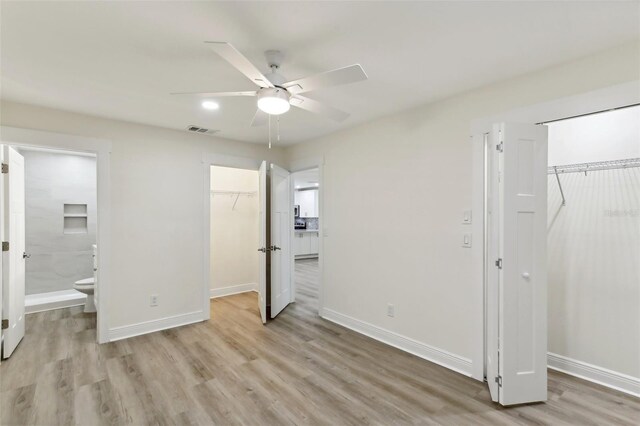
<point x="306" y="178"/>
<point x="121" y="59"/>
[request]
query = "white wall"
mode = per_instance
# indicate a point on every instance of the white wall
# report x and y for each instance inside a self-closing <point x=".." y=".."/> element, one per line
<point x="234" y="230"/>
<point x="51" y="180"/>
<point x="613" y="135"/>
<point x="157" y="207"/>
<point x="594" y="244"/>
<point x="410" y="174"/>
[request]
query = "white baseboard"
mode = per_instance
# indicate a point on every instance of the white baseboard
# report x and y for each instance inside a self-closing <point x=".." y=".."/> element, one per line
<point x="124" y="332"/>
<point x="52" y="300"/>
<point x="435" y="355"/>
<point x="595" y="374"/>
<point x="234" y="289"/>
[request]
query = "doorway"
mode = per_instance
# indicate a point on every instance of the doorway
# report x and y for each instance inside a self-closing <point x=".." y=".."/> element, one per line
<point x="275" y="287"/>
<point x="235" y="237"/>
<point x="582" y="297"/>
<point x="306" y="240"/>
<point x="593" y="240"/>
<point x="50" y="227"/>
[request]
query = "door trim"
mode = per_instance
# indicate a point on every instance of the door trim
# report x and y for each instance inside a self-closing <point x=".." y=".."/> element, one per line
<point x="208" y="160"/>
<point x="300" y="165"/>
<point x="101" y="148"/>
<point x="584" y="103"/>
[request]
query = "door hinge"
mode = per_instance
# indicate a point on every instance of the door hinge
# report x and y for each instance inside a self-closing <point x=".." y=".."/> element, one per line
<point x="5" y="246"/>
<point x="499" y="147"/>
<point x="5" y="324"/>
<point x="499" y="263"/>
<point x="5" y="168"/>
<point x="499" y="380"/>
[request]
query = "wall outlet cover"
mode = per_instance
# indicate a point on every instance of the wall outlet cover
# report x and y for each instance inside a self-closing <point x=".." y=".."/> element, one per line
<point x="391" y="310"/>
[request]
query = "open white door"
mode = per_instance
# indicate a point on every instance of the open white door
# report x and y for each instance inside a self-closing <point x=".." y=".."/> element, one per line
<point x="262" y="231"/>
<point x="522" y="242"/>
<point x="492" y="253"/>
<point x="13" y="262"/>
<point x="281" y="233"/>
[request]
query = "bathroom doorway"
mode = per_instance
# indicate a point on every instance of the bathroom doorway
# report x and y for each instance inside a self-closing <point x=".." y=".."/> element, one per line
<point x="50" y="229"/>
<point x="234" y="258"/>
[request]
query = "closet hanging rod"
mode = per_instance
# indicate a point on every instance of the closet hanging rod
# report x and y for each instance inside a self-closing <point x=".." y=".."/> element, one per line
<point x="594" y="166"/>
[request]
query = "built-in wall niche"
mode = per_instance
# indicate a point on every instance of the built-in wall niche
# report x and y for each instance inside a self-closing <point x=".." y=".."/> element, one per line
<point x="75" y="219"/>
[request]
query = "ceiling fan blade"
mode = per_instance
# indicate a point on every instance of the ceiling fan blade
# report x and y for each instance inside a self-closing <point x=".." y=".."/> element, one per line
<point x="240" y="62"/>
<point x="260" y="119"/>
<point x="345" y="75"/>
<point x="217" y="94"/>
<point x="318" y="108"/>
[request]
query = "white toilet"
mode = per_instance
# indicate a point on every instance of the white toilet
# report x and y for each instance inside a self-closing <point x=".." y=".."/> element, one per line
<point x="87" y="286"/>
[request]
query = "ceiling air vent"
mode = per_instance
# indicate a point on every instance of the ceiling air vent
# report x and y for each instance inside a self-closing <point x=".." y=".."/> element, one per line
<point x="196" y="129"/>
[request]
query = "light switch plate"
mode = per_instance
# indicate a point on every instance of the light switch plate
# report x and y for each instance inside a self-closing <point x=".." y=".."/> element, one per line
<point x="466" y="216"/>
<point x="466" y="240"/>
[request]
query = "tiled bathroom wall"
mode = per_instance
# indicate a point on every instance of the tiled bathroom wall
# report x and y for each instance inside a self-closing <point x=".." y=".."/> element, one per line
<point x="58" y="238"/>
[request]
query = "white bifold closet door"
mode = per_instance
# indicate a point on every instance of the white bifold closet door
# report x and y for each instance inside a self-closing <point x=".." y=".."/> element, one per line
<point x="281" y="236"/>
<point x="517" y="275"/>
<point x="13" y="260"/>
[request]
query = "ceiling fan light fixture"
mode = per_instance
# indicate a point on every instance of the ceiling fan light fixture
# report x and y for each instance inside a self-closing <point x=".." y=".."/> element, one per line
<point x="273" y="101"/>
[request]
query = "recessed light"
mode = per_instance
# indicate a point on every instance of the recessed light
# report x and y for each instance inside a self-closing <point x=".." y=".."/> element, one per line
<point x="210" y="105"/>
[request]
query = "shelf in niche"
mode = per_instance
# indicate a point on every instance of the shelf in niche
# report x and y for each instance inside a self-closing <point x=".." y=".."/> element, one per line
<point x="75" y="209"/>
<point x="75" y="219"/>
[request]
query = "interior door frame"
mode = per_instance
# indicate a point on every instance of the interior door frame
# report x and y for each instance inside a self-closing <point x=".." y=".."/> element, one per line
<point x="301" y="165"/>
<point x="581" y="104"/>
<point x="208" y="160"/>
<point x="101" y="148"/>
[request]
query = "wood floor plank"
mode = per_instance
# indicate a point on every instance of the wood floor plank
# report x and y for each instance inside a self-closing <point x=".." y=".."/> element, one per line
<point x="298" y="369"/>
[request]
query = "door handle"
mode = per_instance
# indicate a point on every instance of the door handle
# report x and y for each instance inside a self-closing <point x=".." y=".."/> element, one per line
<point x="274" y="248"/>
<point x="526" y="275"/>
<point x="262" y="249"/>
<point x="26" y="256"/>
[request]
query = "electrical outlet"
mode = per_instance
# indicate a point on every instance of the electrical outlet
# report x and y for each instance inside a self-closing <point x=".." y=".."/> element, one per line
<point x="154" y="300"/>
<point x="391" y="310"/>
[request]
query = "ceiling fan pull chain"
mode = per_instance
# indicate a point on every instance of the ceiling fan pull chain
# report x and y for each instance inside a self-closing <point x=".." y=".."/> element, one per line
<point x="269" y="131"/>
<point x="278" y="128"/>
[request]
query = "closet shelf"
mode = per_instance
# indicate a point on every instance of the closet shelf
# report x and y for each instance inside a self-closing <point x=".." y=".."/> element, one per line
<point x="594" y="166"/>
<point x="75" y="215"/>
<point x="236" y="193"/>
<point x="219" y="192"/>
<point x="590" y="167"/>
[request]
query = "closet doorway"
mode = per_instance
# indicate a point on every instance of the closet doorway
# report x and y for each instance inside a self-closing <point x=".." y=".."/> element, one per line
<point x="581" y="298"/>
<point x="234" y="240"/>
<point x="593" y="245"/>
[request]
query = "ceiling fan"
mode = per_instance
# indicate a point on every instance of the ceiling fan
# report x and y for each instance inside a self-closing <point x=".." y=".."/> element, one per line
<point x="275" y="94"/>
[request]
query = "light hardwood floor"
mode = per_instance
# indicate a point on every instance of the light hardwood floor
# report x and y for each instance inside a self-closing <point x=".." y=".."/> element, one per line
<point x="298" y="369"/>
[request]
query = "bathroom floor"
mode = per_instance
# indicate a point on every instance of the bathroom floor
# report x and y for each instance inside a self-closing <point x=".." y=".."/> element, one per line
<point x="298" y="369"/>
